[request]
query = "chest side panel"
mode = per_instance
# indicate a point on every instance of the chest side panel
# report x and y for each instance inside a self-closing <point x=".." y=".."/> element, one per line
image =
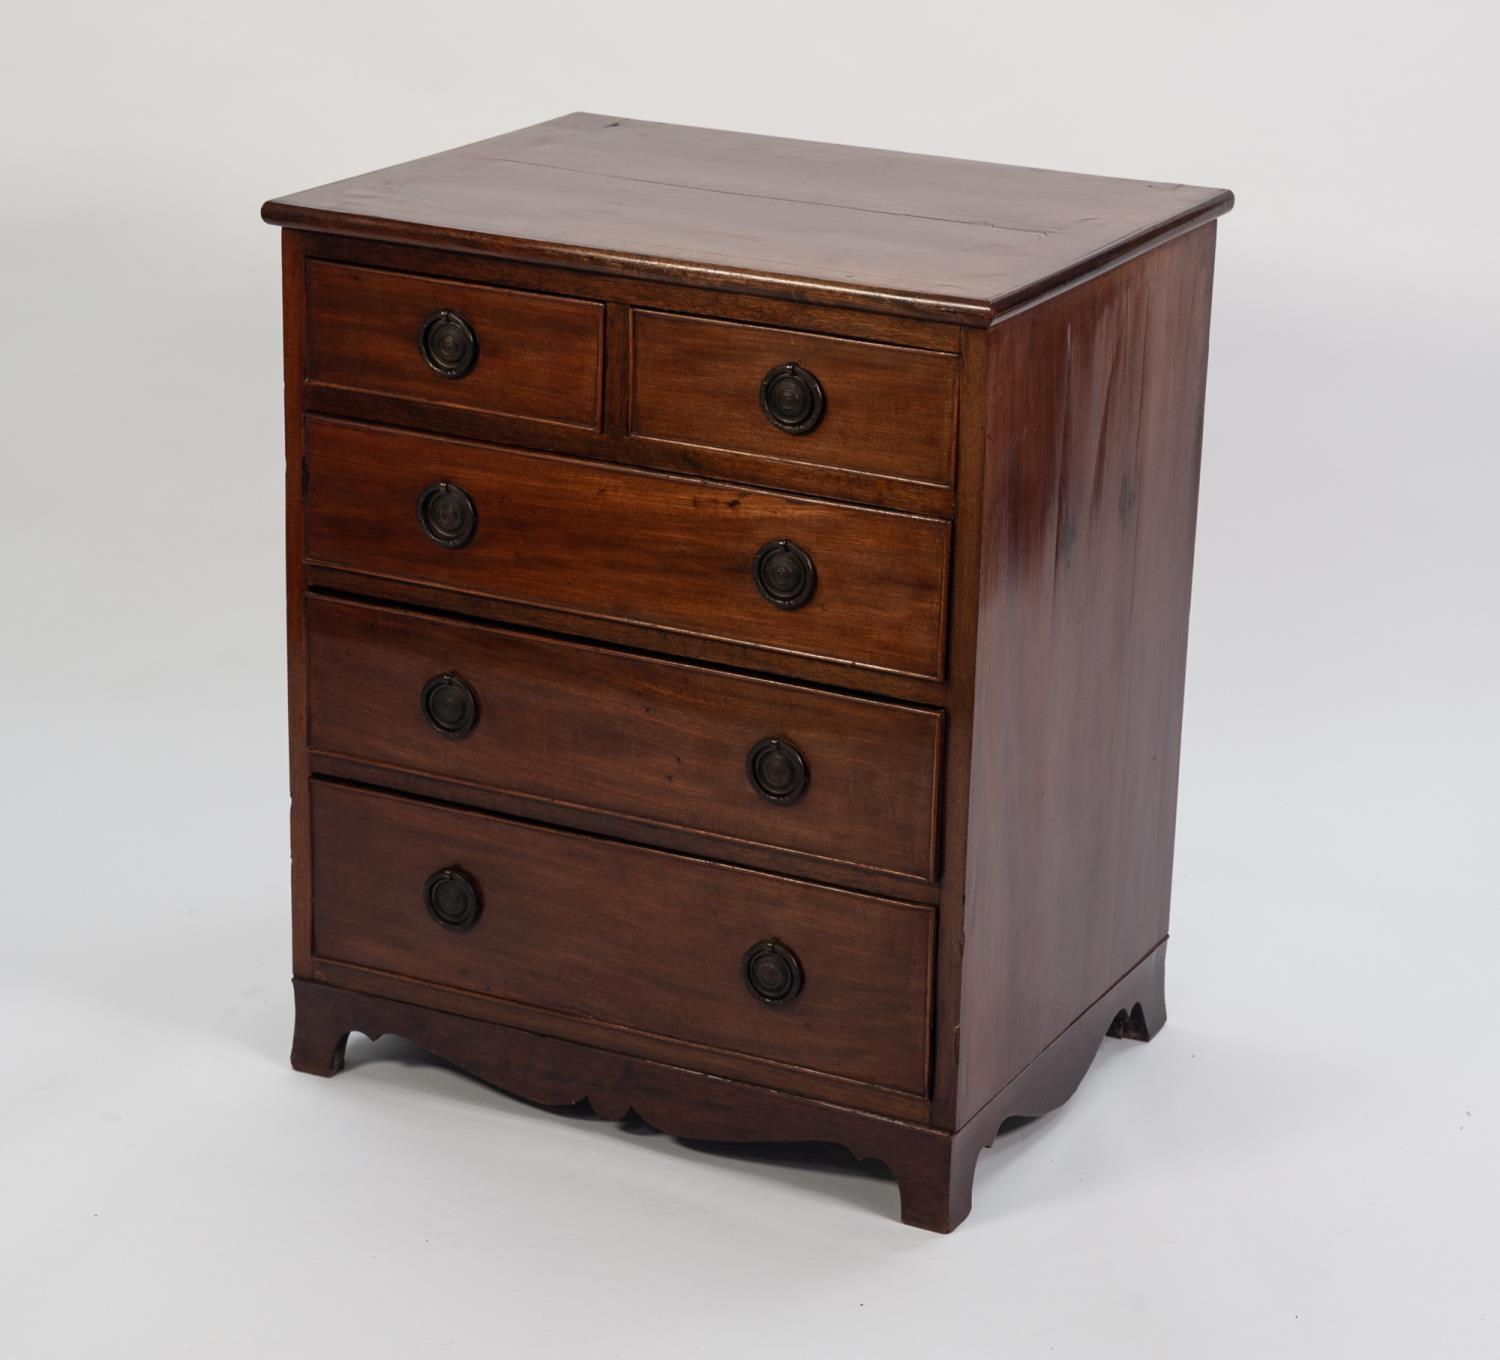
<point x="1089" y="510"/>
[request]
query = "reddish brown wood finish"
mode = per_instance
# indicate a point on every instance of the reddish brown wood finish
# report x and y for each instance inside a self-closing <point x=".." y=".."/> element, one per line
<point x="638" y="636"/>
<point x="751" y="309"/>
<point x="776" y="859"/>
<point x="890" y="411"/>
<point x="803" y="1081"/>
<point x="933" y="1169"/>
<point x="624" y="935"/>
<point x="293" y="305"/>
<point x="1000" y="504"/>
<point x="612" y="442"/>
<point x="539" y="357"/>
<point x="968" y="542"/>
<point x="1089" y="497"/>
<point x="909" y="235"/>
<point x="631" y="546"/>
<point x="659" y="743"/>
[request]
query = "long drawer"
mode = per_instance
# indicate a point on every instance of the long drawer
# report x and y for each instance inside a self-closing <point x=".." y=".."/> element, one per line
<point x="730" y="959"/>
<point x="839" y="778"/>
<point x="778" y="573"/>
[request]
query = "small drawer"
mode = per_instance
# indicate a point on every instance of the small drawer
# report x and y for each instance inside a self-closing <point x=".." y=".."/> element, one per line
<point x="883" y="410"/>
<point x="779" y="573"/>
<point x="771" y="968"/>
<point x="491" y="350"/>
<point x="846" y="780"/>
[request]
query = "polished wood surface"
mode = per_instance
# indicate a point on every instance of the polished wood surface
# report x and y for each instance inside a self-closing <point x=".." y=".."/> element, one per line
<point x="881" y="230"/>
<point x="1091" y="486"/>
<point x="890" y="411"/>
<point x="659" y="743"/>
<point x="971" y="525"/>
<point x="930" y="692"/>
<point x="441" y="786"/>
<point x="612" y="441"/>
<point x="294" y="336"/>
<point x="933" y="1168"/>
<point x="598" y="541"/>
<point x="539" y="357"/>
<point x="624" y="935"/>
<point x="698" y="1057"/>
<point x="986" y="685"/>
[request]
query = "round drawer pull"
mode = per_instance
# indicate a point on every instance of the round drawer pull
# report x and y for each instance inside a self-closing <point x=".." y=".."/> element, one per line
<point x="448" y="344"/>
<point x="792" y="399"/>
<point x="784" y="574"/>
<point x="772" y="972"/>
<point x="446" y="514"/>
<point x="777" y="771"/>
<point x="452" y="899"/>
<point x="449" y="705"/>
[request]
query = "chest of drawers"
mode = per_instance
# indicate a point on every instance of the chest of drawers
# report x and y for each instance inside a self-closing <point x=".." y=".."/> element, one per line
<point x="738" y="597"/>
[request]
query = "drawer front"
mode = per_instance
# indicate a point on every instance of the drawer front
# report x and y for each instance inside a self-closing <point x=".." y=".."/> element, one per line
<point x="879" y="409"/>
<point x="499" y="351"/>
<point x="625" y="936"/>
<point x="644" y="548"/>
<point x="847" y="780"/>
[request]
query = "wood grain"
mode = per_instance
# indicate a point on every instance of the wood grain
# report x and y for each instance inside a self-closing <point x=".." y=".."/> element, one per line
<point x="699" y="1057"/>
<point x="443" y="788"/>
<point x="1096" y="407"/>
<point x="293" y="312"/>
<point x="987" y="683"/>
<point x="604" y="542"/>
<point x="883" y="231"/>
<point x="933" y="1169"/>
<point x="539" y="357"/>
<point x="654" y="741"/>
<point x="690" y="1104"/>
<point x="624" y="935"/>
<point x="612" y="442"/>
<point x="749" y="308"/>
<point x="969" y="530"/>
<point x="890" y="411"/>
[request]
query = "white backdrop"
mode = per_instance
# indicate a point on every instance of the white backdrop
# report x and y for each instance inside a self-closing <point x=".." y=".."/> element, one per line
<point x="1304" y="1163"/>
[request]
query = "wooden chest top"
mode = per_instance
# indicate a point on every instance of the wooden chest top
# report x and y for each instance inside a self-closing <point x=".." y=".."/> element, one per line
<point x="921" y="236"/>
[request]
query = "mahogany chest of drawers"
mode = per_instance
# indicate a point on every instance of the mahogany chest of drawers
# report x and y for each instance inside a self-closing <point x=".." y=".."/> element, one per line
<point x="738" y="597"/>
